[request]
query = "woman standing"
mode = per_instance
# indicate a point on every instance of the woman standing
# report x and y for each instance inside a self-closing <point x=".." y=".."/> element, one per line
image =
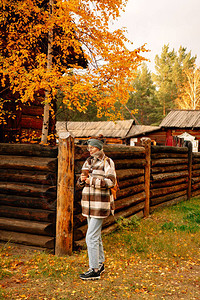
<point x="97" y="178"/>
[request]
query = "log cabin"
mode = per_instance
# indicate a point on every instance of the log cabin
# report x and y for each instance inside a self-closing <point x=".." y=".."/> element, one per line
<point x="177" y="123"/>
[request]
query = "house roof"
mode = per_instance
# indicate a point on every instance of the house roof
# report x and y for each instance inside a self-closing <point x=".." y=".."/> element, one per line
<point x="141" y="129"/>
<point x="182" y="119"/>
<point x="117" y="129"/>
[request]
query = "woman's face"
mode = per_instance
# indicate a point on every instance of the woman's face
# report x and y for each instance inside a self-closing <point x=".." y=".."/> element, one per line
<point x="92" y="149"/>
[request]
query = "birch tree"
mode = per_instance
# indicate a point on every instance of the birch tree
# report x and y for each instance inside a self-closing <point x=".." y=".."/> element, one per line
<point x="189" y="98"/>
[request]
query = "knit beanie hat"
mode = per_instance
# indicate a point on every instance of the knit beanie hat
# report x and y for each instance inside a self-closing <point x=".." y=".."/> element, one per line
<point x="96" y="143"/>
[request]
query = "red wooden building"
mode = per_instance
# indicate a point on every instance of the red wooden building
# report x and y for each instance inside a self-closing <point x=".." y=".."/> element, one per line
<point x="173" y="125"/>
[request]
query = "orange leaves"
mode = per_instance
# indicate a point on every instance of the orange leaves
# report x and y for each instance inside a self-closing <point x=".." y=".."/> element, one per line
<point x="80" y="32"/>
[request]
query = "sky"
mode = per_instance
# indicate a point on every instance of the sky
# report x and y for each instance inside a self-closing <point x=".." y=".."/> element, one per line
<point x="161" y="22"/>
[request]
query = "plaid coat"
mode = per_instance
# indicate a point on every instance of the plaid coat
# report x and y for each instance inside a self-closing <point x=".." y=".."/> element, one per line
<point x="97" y="200"/>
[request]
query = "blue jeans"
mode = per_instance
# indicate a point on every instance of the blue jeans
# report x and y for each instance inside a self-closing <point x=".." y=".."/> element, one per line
<point x="94" y="242"/>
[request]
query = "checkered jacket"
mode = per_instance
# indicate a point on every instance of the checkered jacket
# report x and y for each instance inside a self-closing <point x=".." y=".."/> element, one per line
<point x="97" y="200"/>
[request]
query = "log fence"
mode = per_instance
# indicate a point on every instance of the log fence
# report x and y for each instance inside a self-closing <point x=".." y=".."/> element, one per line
<point x="30" y="183"/>
<point x="28" y="179"/>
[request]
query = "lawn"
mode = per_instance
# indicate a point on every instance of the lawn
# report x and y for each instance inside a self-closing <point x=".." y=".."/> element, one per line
<point x="153" y="258"/>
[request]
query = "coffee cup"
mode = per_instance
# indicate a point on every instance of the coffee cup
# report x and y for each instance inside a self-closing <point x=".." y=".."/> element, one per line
<point x="85" y="172"/>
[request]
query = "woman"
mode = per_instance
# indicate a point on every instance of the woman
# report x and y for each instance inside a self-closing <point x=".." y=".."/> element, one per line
<point x="97" y="177"/>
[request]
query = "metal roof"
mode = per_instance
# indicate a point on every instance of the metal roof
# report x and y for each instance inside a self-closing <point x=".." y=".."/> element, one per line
<point x="182" y="119"/>
<point x="141" y="129"/>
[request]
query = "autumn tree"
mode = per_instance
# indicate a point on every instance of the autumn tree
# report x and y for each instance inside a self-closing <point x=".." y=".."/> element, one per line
<point x="189" y="97"/>
<point x="44" y="41"/>
<point x="170" y="75"/>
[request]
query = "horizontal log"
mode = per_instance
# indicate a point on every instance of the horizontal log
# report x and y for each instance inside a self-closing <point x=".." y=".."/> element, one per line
<point x="28" y="176"/>
<point x="29" y="202"/>
<point x="27" y="214"/>
<point x="129" y="201"/>
<point x="167" y="176"/>
<point x="195" y="166"/>
<point x="195" y="160"/>
<point x="169" y="182"/>
<point x="80" y="232"/>
<point x="125" y="174"/>
<point x="129" y="173"/>
<point x="28" y="163"/>
<point x="196" y="154"/>
<point x="112" y="151"/>
<point x="196" y="173"/>
<point x="168" y="162"/>
<point x="168" y="203"/>
<point x="33" y="227"/>
<point x="28" y="150"/>
<point x="158" y="200"/>
<point x="167" y="190"/>
<point x="165" y="149"/>
<point x="130" y="163"/>
<point x="131" y="190"/>
<point x="25" y="189"/>
<point x="168" y="168"/>
<point x="196" y="186"/>
<point x="158" y="155"/>
<point x="27" y="239"/>
<point x="195" y="179"/>
<point x="195" y="193"/>
<point x="119" y="164"/>
<point x="131" y="182"/>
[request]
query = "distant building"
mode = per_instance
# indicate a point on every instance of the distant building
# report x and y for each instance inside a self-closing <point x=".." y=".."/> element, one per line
<point x="176" y="123"/>
<point x="114" y="132"/>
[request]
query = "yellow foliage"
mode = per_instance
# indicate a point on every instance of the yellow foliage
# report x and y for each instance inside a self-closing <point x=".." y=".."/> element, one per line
<point x="189" y="97"/>
<point x="85" y="29"/>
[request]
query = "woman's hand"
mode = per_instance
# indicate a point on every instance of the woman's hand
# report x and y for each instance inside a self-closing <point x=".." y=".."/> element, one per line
<point x="87" y="180"/>
<point x="83" y="177"/>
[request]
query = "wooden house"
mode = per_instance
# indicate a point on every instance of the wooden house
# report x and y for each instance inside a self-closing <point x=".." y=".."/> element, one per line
<point x="180" y="121"/>
<point x="114" y="132"/>
<point x="173" y="126"/>
<point x="139" y="131"/>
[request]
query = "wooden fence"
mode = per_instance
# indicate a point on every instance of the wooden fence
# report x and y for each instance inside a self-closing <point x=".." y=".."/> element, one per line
<point x="149" y="177"/>
<point x="28" y="176"/>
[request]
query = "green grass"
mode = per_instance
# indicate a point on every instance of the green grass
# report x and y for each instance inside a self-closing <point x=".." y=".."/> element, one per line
<point x="166" y="231"/>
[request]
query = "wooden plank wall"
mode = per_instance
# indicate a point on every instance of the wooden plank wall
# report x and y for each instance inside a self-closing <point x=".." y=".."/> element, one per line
<point x="130" y="164"/>
<point x="28" y="176"/>
<point x="169" y="175"/>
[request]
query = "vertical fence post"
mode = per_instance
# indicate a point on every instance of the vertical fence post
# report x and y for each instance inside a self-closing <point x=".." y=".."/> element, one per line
<point x="65" y="195"/>
<point x="146" y="143"/>
<point x="189" y="146"/>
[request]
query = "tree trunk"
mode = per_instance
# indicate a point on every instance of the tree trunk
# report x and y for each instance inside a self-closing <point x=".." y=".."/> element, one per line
<point x="45" y="125"/>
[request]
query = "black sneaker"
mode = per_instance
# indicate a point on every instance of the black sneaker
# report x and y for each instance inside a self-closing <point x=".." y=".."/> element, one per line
<point x="90" y="275"/>
<point x="101" y="268"/>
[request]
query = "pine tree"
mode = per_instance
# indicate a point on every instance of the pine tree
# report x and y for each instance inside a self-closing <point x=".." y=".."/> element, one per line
<point x="143" y="98"/>
<point x="170" y="77"/>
